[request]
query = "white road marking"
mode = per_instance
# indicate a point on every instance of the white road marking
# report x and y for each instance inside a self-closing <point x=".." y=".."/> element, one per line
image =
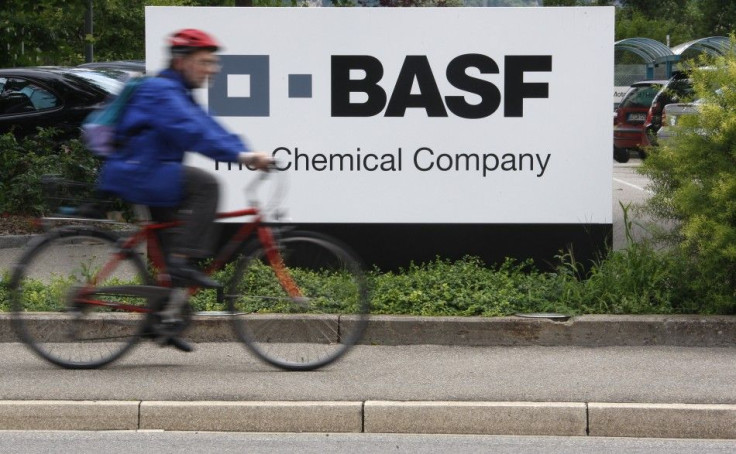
<point x="632" y="185"/>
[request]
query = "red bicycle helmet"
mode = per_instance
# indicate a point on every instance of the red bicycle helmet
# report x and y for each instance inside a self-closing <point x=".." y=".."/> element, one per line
<point x="190" y="40"/>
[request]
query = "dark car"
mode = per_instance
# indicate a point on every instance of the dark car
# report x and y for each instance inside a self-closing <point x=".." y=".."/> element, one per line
<point x="628" y="124"/>
<point x="677" y="90"/>
<point x="51" y="96"/>
<point x="120" y="69"/>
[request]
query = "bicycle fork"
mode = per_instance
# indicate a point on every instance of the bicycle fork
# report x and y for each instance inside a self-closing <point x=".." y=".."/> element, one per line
<point x="277" y="264"/>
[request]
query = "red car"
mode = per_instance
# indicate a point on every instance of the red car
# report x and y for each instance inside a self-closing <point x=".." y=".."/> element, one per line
<point x="628" y="125"/>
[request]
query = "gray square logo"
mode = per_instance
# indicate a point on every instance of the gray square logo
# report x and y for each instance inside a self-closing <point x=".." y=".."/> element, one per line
<point x="257" y="103"/>
<point x="300" y="85"/>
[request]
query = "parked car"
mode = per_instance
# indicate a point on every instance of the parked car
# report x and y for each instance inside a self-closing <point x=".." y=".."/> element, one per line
<point x="672" y="115"/>
<point x="678" y="89"/>
<point x="51" y="96"/>
<point x="120" y="69"/>
<point x="628" y="129"/>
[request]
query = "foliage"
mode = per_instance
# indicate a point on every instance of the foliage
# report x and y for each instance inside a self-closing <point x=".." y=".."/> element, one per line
<point x="52" y="32"/>
<point x="640" y="279"/>
<point x="465" y="287"/>
<point x="632" y="23"/>
<point x="716" y="17"/>
<point x="578" y="2"/>
<point x="694" y="174"/>
<point x="43" y="32"/>
<point x="24" y="161"/>
<point x="4" y="292"/>
<point x="408" y="3"/>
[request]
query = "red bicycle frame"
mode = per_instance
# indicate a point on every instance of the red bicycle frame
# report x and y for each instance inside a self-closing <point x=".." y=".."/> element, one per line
<point x="156" y="255"/>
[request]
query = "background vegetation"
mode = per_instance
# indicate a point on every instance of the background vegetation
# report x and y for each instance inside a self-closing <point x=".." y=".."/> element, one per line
<point x="52" y="32"/>
<point x="23" y="162"/>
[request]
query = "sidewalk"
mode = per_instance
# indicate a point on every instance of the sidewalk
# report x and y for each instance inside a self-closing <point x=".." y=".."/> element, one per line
<point x="645" y="384"/>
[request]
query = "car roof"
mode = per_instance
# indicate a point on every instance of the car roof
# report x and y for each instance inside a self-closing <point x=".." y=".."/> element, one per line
<point x="59" y="70"/>
<point x="125" y="64"/>
<point x="47" y="70"/>
<point x="649" y="82"/>
<point x="62" y="74"/>
<point x="33" y="69"/>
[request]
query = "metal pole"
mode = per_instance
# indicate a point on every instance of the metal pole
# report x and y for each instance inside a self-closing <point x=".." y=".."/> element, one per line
<point x="88" y="32"/>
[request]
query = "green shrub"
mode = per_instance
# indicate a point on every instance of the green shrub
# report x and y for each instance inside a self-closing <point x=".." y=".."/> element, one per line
<point x="694" y="179"/>
<point x="23" y="162"/>
<point x="466" y="287"/>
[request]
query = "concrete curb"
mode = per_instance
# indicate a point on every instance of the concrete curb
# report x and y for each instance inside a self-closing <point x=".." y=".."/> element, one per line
<point x="586" y="330"/>
<point x="68" y="415"/>
<point x="662" y="420"/>
<point x="14" y="241"/>
<point x="487" y="418"/>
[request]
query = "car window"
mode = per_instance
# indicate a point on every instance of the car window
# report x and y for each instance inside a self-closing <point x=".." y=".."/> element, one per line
<point x="640" y="96"/>
<point x="20" y="95"/>
<point x="677" y="91"/>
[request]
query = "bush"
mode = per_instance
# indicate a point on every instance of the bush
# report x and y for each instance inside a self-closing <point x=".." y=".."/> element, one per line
<point x="694" y="178"/>
<point x="24" y="161"/>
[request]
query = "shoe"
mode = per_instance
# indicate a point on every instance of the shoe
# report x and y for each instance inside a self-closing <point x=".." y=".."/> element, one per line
<point x="185" y="275"/>
<point x="178" y="343"/>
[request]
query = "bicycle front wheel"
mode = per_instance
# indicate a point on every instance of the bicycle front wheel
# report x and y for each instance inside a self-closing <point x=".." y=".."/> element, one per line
<point x="303" y="304"/>
<point x="69" y="299"/>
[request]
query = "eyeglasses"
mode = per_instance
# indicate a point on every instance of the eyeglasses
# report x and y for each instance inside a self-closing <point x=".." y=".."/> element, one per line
<point x="211" y="64"/>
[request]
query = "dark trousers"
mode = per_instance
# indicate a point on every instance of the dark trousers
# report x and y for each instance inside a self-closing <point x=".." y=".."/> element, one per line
<point x="193" y="238"/>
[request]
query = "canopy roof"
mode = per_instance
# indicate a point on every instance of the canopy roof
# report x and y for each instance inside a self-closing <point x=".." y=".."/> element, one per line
<point x="713" y="45"/>
<point x="650" y="50"/>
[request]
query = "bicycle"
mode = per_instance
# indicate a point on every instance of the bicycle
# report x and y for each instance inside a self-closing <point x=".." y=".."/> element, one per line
<point x="298" y="300"/>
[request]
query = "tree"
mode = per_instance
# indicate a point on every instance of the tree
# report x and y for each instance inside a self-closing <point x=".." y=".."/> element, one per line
<point x="51" y="32"/>
<point x="41" y="32"/>
<point x="635" y="24"/>
<point x="661" y="9"/>
<point x="716" y="17"/>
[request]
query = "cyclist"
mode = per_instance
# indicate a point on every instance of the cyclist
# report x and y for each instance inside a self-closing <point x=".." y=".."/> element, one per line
<point x="160" y="123"/>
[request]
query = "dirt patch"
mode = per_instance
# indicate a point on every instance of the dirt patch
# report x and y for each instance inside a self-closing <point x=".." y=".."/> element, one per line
<point x="11" y="224"/>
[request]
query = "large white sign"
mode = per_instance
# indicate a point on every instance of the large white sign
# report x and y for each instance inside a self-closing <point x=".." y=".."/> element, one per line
<point x="416" y="115"/>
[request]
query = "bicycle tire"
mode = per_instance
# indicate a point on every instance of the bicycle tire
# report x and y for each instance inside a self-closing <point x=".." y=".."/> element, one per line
<point x="46" y="288"/>
<point x="313" y="329"/>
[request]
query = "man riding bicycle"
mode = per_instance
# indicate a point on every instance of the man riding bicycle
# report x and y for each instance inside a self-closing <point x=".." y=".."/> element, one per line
<point x="160" y="123"/>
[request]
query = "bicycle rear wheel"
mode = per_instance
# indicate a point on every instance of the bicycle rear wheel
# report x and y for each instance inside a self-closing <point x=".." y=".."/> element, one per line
<point x="69" y="314"/>
<point x="304" y="308"/>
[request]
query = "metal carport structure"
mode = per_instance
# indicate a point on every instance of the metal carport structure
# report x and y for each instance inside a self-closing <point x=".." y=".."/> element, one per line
<point x="652" y="54"/>
<point x="712" y="45"/>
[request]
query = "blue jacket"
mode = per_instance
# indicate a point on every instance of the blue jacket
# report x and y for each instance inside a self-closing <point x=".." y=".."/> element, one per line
<point x="160" y="123"/>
